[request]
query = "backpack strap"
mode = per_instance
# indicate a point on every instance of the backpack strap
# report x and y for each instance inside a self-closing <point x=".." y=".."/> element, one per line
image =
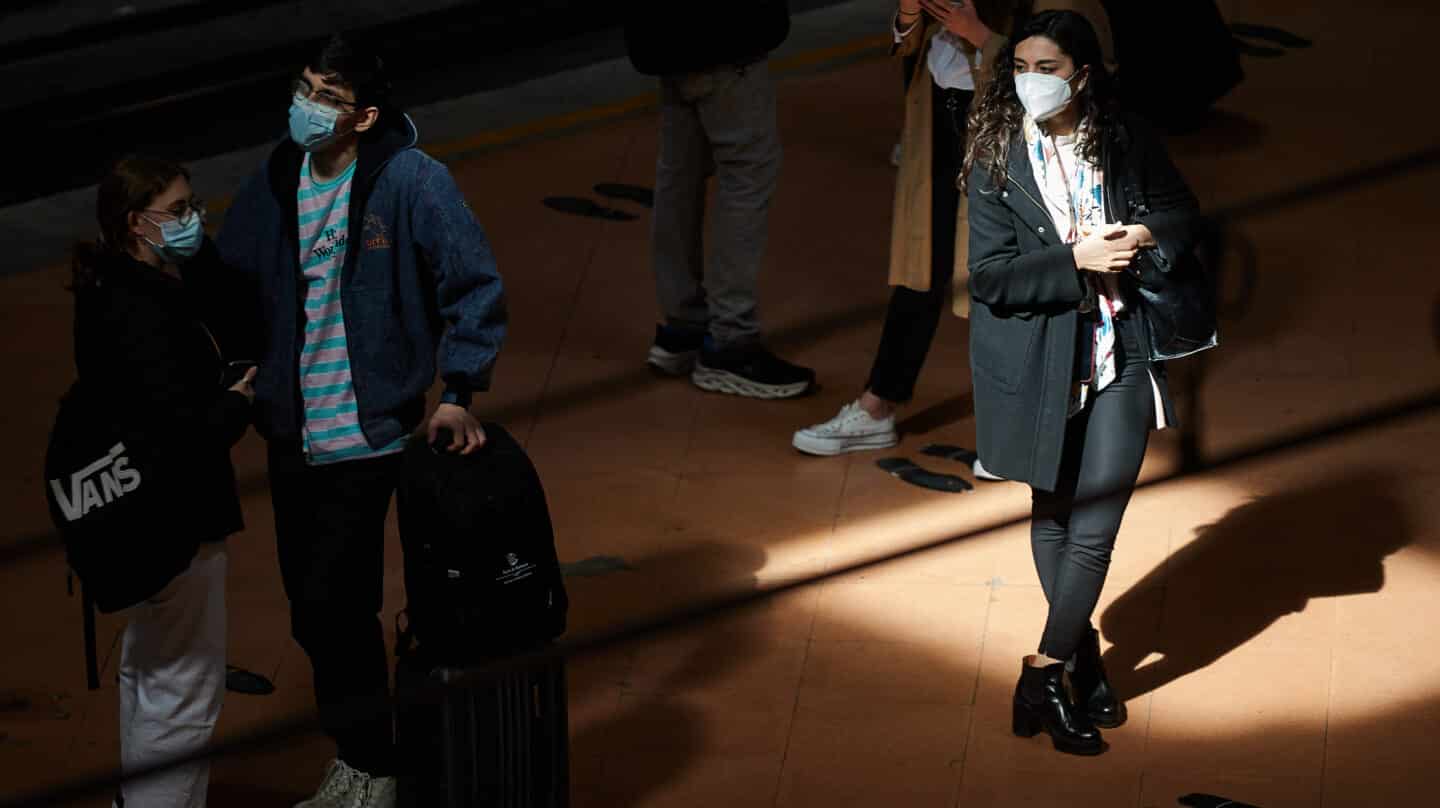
<point x="92" y="657"/>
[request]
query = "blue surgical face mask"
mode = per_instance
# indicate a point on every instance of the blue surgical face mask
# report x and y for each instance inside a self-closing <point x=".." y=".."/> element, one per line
<point x="312" y="125"/>
<point x="180" y="239"/>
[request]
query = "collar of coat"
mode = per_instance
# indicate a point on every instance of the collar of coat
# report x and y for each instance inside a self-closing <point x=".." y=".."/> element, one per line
<point x="1022" y="190"/>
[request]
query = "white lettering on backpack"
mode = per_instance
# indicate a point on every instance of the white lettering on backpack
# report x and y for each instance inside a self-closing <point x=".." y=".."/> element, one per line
<point x="97" y="485"/>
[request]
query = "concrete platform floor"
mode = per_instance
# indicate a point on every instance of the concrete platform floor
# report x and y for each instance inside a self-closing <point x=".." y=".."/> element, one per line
<point x="1270" y="620"/>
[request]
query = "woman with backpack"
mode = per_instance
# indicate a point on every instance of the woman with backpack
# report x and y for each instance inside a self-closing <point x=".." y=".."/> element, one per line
<point x="148" y="309"/>
<point x="1075" y="209"/>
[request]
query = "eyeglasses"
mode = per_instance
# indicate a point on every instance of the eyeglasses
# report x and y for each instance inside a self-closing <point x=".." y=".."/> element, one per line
<point x="302" y="89"/>
<point x="186" y="207"/>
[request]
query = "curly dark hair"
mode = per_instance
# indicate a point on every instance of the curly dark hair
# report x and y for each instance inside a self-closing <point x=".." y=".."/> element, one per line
<point x="996" y="118"/>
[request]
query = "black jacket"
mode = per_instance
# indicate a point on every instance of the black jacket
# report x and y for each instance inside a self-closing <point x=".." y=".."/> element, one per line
<point x="142" y="344"/>
<point x="1024" y="324"/>
<point x="730" y="32"/>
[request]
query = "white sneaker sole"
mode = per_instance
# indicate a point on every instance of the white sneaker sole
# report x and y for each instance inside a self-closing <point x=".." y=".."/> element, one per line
<point x="671" y="364"/>
<point x="982" y="474"/>
<point x="830" y="447"/>
<point x="723" y="381"/>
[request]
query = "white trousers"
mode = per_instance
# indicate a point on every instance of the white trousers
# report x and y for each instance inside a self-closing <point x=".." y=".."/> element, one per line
<point x="172" y="683"/>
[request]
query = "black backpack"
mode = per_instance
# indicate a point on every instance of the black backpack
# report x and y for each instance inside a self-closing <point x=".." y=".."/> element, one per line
<point x="107" y="491"/>
<point x="482" y="578"/>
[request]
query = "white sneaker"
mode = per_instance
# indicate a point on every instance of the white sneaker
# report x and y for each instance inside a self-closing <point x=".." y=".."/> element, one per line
<point x="853" y="430"/>
<point x="981" y="474"/>
<point x="341" y="788"/>
<point x="379" y="792"/>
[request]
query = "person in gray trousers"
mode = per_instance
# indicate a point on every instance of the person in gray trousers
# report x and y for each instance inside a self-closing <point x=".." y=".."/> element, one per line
<point x="717" y="118"/>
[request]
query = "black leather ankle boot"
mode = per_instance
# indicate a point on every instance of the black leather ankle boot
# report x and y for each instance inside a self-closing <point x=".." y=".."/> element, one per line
<point x="1041" y="703"/>
<point x="1093" y="693"/>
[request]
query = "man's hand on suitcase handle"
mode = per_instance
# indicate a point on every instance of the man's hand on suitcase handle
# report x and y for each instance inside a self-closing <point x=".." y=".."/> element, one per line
<point x="464" y="431"/>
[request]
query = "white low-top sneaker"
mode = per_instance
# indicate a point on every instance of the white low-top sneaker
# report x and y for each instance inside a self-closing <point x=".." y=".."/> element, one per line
<point x="853" y="430"/>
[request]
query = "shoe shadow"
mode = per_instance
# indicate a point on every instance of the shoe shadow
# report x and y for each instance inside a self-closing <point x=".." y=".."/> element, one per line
<point x="1260" y="562"/>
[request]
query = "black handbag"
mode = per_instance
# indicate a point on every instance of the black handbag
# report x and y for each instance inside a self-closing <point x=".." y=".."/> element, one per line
<point x="110" y="493"/>
<point x="1177" y="299"/>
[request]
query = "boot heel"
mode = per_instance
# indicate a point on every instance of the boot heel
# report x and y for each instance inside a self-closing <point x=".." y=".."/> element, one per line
<point x="1024" y="723"/>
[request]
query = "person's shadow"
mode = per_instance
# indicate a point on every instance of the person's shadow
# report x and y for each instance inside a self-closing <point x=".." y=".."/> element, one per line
<point x="655" y="724"/>
<point x="1260" y="562"/>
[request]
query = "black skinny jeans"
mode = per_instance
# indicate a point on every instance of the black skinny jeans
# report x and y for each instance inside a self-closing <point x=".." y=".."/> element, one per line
<point x="330" y="533"/>
<point x="1072" y="529"/>
<point x="913" y="317"/>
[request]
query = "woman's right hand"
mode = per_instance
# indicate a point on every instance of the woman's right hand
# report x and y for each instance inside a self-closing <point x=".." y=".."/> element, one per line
<point x="245" y="386"/>
<point x="1110" y="249"/>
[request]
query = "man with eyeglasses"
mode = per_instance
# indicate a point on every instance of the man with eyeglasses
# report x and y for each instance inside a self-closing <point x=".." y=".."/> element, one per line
<point x="371" y="273"/>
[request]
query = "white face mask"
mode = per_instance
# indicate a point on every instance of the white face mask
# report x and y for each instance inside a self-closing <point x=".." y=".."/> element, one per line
<point x="1043" y="95"/>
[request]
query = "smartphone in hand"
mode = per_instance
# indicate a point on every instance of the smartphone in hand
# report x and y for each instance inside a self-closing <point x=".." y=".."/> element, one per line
<point x="235" y="371"/>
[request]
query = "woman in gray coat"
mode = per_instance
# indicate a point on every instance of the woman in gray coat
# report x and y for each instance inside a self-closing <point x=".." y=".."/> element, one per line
<point x="1068" y="198"/>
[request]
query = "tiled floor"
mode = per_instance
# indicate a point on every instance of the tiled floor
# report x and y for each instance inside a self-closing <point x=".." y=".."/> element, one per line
<point x="1270" y="620"/>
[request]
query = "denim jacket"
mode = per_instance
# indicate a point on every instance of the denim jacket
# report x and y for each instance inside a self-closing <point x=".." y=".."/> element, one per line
<point x="419" y="288"/>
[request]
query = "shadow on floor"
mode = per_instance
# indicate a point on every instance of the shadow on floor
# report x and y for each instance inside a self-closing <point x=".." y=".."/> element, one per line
<point x="1260" y="562"/>
<point x="938" y="416"/>
<point x="656" y="734"/>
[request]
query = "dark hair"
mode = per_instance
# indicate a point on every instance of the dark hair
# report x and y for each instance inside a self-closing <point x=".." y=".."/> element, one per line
<point x="349" y="60"/>
<point x="997" y="116"/>
<point x="130" y="185"/>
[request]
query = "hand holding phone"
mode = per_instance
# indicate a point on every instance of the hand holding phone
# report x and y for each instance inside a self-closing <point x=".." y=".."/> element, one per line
<point x="238" y="377"/>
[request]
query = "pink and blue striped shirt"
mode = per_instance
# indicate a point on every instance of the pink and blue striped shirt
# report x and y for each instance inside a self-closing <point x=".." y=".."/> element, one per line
<point x="332" y="421"/>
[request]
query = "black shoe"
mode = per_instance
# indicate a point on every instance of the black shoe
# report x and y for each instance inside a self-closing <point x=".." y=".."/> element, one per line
<point x="1092" y="688"/>
<point x="674" y="351"/>
<point x="1041" y="703"/>
<point x="754" y="373"/>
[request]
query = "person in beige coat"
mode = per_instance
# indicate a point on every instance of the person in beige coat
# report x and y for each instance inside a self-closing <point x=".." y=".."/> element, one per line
<point x="952" y="44"/>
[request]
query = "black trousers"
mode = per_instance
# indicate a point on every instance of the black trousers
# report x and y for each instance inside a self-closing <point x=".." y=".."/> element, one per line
<point x="913" y="317"/>
<point x="330" y="530"/>
<point x="1073" y="529"/>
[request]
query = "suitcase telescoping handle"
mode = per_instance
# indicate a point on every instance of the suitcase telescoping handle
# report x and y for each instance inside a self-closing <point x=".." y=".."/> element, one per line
<point x="443" y="438"/>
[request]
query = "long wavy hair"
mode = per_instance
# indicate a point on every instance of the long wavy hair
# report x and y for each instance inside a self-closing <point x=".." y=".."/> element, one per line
<point x="997" y="117"/>
<point x="130" y="185"/>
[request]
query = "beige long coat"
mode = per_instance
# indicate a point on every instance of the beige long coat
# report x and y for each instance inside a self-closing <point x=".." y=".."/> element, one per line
<point x="910" y="230"/>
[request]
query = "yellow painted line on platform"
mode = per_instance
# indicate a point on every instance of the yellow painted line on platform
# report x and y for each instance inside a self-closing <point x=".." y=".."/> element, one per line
<point x="552" y="124"/>
<point x="542" y="126"/>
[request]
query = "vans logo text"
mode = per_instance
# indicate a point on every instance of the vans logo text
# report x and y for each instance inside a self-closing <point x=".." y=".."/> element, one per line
<point x="97" y="485"/>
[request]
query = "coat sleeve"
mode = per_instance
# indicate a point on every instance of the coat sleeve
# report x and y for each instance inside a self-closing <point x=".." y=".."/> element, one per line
<point x="238" y="267"/>
<point x="134" y="359"/>
<point x="908" y="44"/>
<point x="1003" y="276"/>
<point x="228" y="302"/>
<point x="1173" y="215"/>
<point x="468" y="289"/>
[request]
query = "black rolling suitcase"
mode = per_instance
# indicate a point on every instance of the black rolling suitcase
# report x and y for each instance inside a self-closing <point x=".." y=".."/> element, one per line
<point x="502" y="741"/>
<point x="482" y="582"/>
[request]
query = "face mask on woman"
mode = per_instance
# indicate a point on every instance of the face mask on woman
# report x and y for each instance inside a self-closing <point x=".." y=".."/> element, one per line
<point x="179" y="238"/>
<point x="312" y="125"/>
<point x="1043" y="95"/>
